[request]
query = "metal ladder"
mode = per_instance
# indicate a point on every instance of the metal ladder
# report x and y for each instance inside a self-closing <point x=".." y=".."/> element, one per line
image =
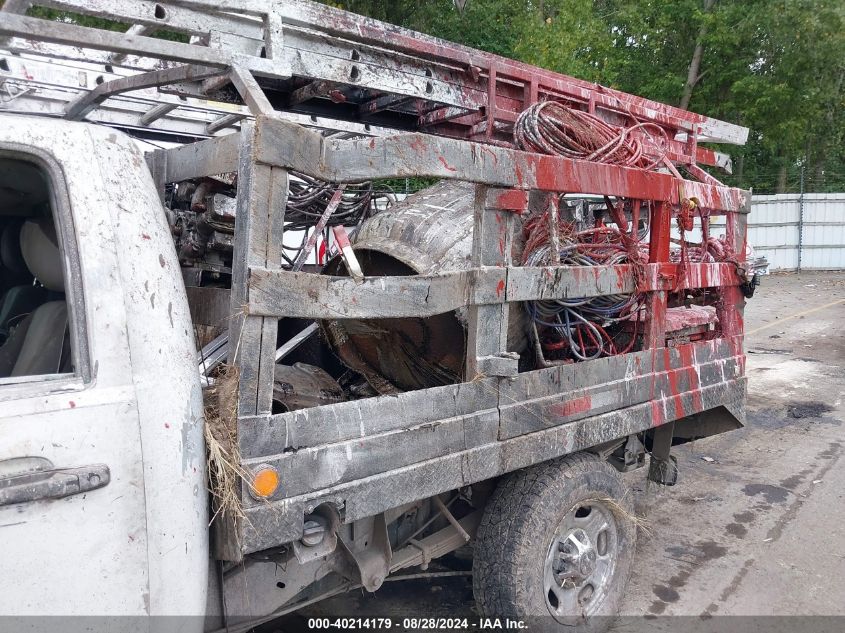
<point x="227" y="60"/>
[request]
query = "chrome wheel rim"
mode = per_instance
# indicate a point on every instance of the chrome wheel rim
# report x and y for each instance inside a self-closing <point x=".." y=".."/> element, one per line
<point x="581" y="562"/>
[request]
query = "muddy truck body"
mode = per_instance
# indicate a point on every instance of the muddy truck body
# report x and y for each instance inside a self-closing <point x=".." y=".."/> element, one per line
<point x="244" y="367"/>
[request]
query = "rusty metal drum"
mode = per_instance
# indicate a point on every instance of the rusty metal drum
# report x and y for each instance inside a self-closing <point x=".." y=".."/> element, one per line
<point x="427" y="232"/>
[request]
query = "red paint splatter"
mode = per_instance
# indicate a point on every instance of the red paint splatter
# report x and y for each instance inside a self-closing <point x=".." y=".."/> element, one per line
<point x="675" y="389"/>
<point x="72" y="404"/>
<point x="416" y="144"/>
<point x="696" y="400"/>
<point x="572" y="407"/>
<point x="657" y="417"/>
<point x="500" y="287"/>
<point x="492" y="153"/>
<point x="447" y="165"/>
<point x="145" y="236"/>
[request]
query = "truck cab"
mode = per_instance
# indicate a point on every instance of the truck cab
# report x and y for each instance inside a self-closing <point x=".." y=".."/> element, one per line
<point x="103" y="497"/>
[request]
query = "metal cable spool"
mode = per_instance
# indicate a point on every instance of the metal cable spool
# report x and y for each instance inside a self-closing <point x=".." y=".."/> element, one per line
<point x="428" y="232"/>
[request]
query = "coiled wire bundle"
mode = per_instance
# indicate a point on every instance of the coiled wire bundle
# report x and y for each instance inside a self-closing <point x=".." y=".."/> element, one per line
<point x="308" y="198"/>
<point x="589" y="327"/>
<point x="551" y="127"/>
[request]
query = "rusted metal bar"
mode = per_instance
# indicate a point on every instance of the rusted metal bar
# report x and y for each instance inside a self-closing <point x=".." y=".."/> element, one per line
<point x="451" y="519"/>
<point x="331" y="207"/>
<point x="222" y="122"/>
<point x="312" y="91"/>
<point x="77" y="109"/>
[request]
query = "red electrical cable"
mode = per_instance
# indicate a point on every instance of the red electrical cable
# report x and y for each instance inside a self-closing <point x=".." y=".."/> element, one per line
<point x="551" y="127"/>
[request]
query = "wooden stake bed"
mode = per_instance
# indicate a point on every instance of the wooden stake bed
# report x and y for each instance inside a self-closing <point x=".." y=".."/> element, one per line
<point x="374" y="454"/>
<point x="261" y="68"/>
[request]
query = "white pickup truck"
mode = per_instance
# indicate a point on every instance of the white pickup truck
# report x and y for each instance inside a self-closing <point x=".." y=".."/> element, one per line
<point x="197" y="423"/>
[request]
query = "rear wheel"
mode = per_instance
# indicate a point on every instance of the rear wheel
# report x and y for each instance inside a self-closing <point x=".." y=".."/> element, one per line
<point x="556" y="546"/>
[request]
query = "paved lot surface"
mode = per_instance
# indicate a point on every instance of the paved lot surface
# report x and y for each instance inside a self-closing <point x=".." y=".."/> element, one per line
<point x="761" y="529"/>
<point x="756" y="524"/>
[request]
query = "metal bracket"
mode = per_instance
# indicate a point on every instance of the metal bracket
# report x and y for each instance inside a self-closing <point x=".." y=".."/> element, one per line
<point x="82" y="105"/>
<point x="504" y="365"/>
<point x="370" y="566"/>
<point x="425" y="550"/>
<point x="633" y="456"/>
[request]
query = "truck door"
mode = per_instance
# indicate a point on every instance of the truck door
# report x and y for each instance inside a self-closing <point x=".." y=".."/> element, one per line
<point x="72" y="507"/>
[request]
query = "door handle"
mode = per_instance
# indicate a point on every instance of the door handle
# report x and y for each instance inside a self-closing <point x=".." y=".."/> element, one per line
<point x="52" y="484"/>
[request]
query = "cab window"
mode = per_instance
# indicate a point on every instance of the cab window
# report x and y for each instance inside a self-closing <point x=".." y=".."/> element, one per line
<point x="35" y="327"/>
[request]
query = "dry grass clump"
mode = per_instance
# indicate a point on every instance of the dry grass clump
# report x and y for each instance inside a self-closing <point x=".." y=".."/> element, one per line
<point x="622" y="512"/>
<point x="225" y="472"/>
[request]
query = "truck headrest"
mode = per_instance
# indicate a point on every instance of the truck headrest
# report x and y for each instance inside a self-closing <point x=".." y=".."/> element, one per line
<point x="11" y="257"/>
<point x="40" y="248"/>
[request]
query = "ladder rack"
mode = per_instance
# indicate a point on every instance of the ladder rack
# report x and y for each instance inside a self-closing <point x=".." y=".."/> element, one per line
<point x="320" y="66"/>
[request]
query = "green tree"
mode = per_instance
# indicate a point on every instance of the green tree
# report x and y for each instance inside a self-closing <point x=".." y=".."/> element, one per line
<point x="775" y="66"/>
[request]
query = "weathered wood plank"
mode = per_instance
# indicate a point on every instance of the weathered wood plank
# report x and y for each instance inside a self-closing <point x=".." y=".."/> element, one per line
<point x="366" y="497"/>
<point x="487" y="325"/>
<point x="671" y="379"/>
<point x="432" y="156"/>
<point x="530" y="283"/>
<point x="313" y="469"/>
<point x="252" y="348"/>
<point x="312" y="296"/>
<point x="203" y="158"/>
<point x="361" y="418"/>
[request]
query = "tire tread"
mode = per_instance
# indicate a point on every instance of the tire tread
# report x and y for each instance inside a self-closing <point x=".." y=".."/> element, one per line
<point x="510" y="526"/>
